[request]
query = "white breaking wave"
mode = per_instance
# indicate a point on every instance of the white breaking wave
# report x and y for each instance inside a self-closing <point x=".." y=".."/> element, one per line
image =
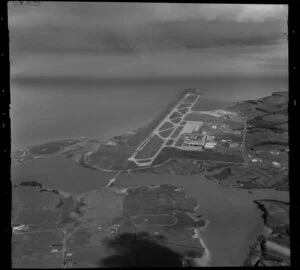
<point x="205" y="259"/>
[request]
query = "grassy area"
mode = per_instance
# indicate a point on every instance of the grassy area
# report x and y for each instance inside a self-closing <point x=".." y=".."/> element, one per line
<point x="214" y="167"/>
<point x="277" y="118"/>
<point x="258" y="122"/>
<point x="282" y="157"/>
<point x="176" y="120"/>
<point x="184" y="106"/>
<point x="178" y="166"/>
<point x="151" y="148"/>
<point x="67" y="205"/>
<point x="208" y="104"/>
<point x="113" y="158"/>
<point x="34" y="243"/>
<point x="184" y="111"/>
<point x="222" y="175"/>
<point x="200" y="117"/>
<point x="267" y="107"/>
<point x="51" y="147"/>
<point x="234" y="124"/>
<point x="157" y="201"/>
<point x="46" y="149"/>
<point x="190" y="99"/>
<point x="283" y="127"/>
<point x="37" y="216"/>
<point x="228" y="136"/>
<point x="144" y="161"/>
<point x="277" y="212"/>
<point x="170" y="152"/>
<point x="266" y="137"/>
<point x="152" y="220"/>
<point x="166" y="125"/>
<point x="255" y="177"/>
<point x="269" y="147"/>
<point x="264" y="106"/>
<point x="166" y="133"/>
<point x="175" y="115"/>
<point x="38" y="261"/>
<point x="169" y="142"/>
<point x="241" y="106"/>
<point x="176" y="132"/>
<point x="28" y="195"/>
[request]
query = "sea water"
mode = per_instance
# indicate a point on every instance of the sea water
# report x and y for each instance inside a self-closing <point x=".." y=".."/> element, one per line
<point x="52" y="111"/>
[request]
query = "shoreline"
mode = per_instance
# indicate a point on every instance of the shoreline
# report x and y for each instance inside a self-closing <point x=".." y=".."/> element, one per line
<point x="84" y="159"/>
<point x="39" y="143"/>
<point x="203" y="261"/>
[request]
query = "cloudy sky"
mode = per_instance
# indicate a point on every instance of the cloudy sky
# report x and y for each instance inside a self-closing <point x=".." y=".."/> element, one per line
<point x="147" y="40"/>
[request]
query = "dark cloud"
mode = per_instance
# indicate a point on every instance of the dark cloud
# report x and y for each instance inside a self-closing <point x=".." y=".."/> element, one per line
<point x="222" y="12"/>
<point x="135" y="27"/>
<point x="123" y="35"/>
<point x="158" y="35"/>
<point x="203" y="33"/>
<point x="68" y="39"/>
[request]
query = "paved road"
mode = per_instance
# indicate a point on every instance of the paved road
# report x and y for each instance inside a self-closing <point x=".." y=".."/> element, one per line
<point x="245" y="154"/>
<point x="113" y="180"/>
<point x="64" y="249"/>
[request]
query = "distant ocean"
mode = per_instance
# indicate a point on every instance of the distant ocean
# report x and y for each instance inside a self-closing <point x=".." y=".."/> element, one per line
<point x="53" y="110"/>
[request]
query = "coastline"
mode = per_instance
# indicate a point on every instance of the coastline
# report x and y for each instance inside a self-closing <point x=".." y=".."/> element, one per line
<point x="203" y="261"/>
<point x="83" y="160"/>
